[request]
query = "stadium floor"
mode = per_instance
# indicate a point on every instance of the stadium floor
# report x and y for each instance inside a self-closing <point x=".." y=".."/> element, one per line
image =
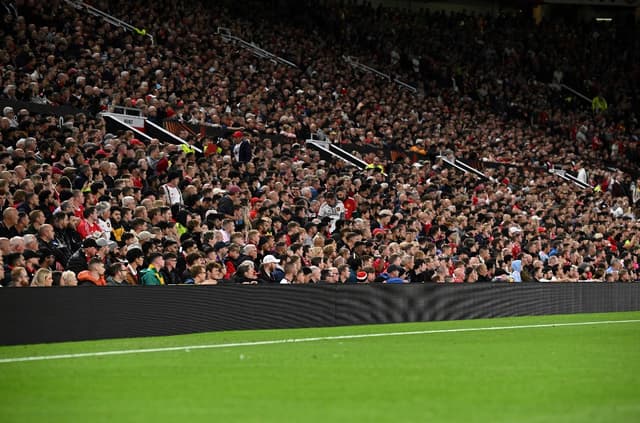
<point x="569" y="368"/>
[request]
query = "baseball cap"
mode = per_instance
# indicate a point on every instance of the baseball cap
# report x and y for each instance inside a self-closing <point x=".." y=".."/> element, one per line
<point x="269" y="259"/>
<point x="394" y="268"/>
<point x="89" y="242"/>
<point x="220" y="245"/>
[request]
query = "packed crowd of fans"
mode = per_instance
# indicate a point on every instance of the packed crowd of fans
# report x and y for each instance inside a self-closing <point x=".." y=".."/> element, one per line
<point x="84" y="206"/>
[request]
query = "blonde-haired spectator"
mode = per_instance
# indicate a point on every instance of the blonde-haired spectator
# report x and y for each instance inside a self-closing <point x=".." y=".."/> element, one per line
<point x="68" y="278"/>
<point x="42" y="277"/>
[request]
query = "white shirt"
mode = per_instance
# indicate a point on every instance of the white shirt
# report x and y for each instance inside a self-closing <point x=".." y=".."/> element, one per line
<point x="335" y="213"/>
<point x="172" y="194"/>
<point x="105" y="226"/>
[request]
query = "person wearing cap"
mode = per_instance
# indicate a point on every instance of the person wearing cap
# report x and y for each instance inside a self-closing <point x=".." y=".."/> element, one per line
<point x="393" y="275"/>
<point x="78" y="261"/>
<point x="269" y="270"/>
<point x="151" y="275"/>
<point x="31" y="261"/>
<point x="362" y="277"/>
<point x="241" y="148"/>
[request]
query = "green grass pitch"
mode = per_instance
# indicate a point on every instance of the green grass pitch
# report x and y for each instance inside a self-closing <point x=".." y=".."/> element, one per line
<point x="582" y="373"/>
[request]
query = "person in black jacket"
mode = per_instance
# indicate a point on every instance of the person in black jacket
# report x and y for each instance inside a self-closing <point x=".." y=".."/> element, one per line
<point x="169" y="271"/>
<point x="80" y="259"/>
<point x="48" y="243"/>
<point x="242" y="148"/>
<point x="269" y="271"/>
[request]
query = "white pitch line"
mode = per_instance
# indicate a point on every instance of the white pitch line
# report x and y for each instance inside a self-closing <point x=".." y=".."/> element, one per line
<point x="296" y="340"/>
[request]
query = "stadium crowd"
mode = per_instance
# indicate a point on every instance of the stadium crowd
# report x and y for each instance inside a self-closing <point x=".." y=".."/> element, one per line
<point x="81" y="206"/>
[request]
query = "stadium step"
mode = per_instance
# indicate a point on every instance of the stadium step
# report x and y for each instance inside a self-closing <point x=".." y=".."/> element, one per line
<point x="452" y="161"/>
<point x="331" y="151"/>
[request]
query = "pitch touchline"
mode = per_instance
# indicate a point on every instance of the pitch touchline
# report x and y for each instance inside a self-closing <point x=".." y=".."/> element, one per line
<point x="296" y="340"/>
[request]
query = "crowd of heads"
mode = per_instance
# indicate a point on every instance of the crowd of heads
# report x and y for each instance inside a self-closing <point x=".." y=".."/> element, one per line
<point x="81" y="205"/>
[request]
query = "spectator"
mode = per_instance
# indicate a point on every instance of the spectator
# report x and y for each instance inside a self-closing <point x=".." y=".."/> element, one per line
<point x="94" y="275"/>
<point x="269" y="271"/>
<point x="169" y="271"/>
<point x="88" y="225"/>
<point x="135" y="260"/>
<point x="117" y="275"/>
<point x="241" y="148"/>
<point x="42" y="277"/>
<point x="246" y="274"/>
<point x="151" y="275"/>
<point x="8" y="224"/>
<point x="78" y="261"/>
<point x="19" y="277"/>
<point x="68" y="278"/>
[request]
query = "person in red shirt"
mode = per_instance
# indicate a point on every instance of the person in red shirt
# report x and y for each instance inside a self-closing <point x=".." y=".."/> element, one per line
<point x="350" y="204"/>
<point x="89" y="223"/>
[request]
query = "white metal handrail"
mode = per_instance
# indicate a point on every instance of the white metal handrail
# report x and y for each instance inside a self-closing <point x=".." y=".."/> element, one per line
<point x="170" y="134"/>
<point x="356" y="64"/>
<point x="328" y="147"/>
<point x="109" y="18"/>
<point x="226" y="35"/>
<point x="570" y="178"/>
<point x="578" y="93"/>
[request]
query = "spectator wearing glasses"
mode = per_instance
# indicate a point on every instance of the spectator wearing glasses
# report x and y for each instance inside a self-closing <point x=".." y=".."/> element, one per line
<point x="200" y="276"/>
<point x="117" y="275"/>
<point x="330" y="275"/>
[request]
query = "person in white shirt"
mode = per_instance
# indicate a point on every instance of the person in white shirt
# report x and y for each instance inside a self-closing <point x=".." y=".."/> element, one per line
<point x="172" y="194"/>
<point x="104" y="219"/>
<point x="332" y="208"/>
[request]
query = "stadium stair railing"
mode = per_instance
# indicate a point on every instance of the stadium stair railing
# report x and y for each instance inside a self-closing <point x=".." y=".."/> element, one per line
<point x="357" y="65"/>
<point x="331" y="150"/>
<point x="226" y="35"/>
<point x="115" y="123"/>
<point x="570" y="178"/>
<point x="80" y="5"/>
<point x="576" y="92"/>
<point x="452" y="161"/>
<point x="157" y="131"/>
